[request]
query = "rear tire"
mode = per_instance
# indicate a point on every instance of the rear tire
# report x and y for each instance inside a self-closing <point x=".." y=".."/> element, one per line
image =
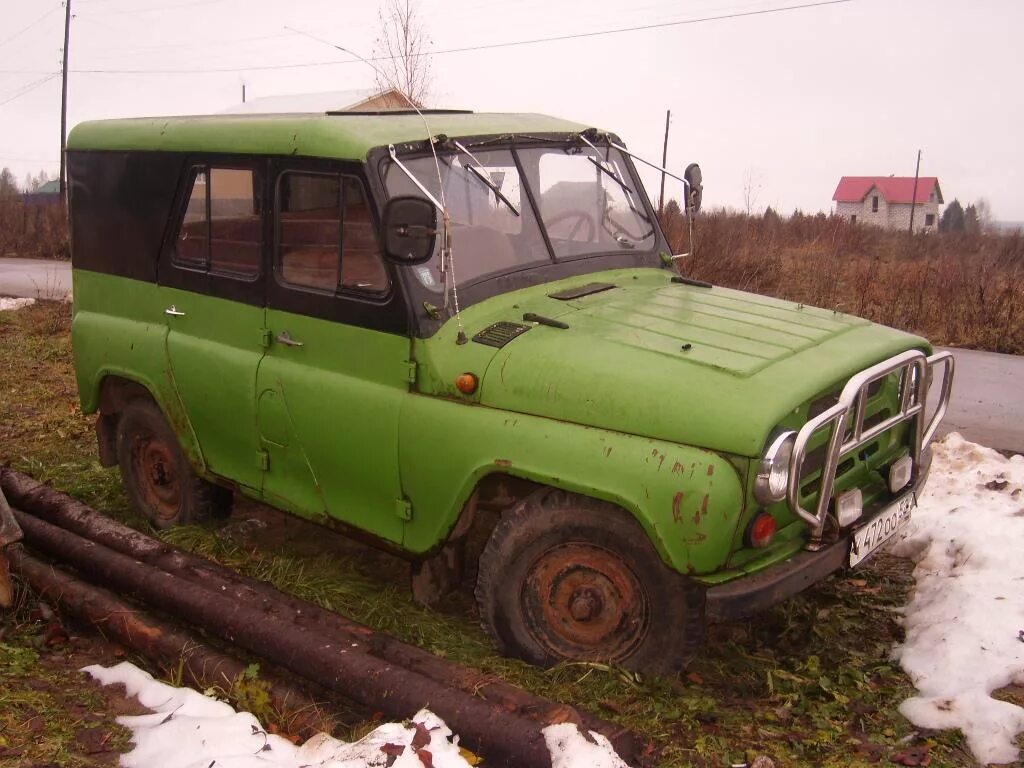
<point x="568" y="578"/>
<point x="160" y="481"/>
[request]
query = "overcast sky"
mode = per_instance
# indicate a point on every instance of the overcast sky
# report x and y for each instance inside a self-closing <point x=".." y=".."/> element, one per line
<point x="775" y="107"/>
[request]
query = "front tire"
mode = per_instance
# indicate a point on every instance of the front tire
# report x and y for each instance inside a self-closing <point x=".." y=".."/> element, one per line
<point x="160" y="481"/>
<point x="568" y="578"/>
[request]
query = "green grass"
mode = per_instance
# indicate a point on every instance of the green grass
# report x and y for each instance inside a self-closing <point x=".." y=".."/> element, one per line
<point x="809" y="683"/>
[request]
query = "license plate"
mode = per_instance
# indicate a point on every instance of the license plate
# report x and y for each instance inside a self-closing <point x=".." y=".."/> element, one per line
<point x="880" y="528"/>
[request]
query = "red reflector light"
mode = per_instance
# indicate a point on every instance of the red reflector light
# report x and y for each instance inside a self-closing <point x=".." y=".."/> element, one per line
<point x="762" y="530"/>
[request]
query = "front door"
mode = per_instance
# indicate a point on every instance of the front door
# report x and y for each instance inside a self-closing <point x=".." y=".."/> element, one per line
<point x="331" y="384"/>
<point x="212" y="294"/>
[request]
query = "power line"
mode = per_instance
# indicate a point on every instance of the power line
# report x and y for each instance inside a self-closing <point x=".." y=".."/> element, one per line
<point x="28" y="88"/>
<point x="471" y="48"/>
<point x="23" y="30"/>
<point x="133" y="11"/>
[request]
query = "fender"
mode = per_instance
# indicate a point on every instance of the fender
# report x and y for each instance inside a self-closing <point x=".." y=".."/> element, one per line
<point x="127" y="340"/>
<point x="688" y="500"/>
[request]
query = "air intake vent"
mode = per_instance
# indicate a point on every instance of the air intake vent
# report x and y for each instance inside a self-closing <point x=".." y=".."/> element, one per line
<point x="581" y="290"/>
<point x="500" y="334"/>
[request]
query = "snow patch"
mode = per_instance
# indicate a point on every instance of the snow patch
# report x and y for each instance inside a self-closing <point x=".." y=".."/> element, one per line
<point x="12" y="304"/>
<point x="965" y="620"/>
<point x="189" y="730"/>
<point x="569" y="747"/>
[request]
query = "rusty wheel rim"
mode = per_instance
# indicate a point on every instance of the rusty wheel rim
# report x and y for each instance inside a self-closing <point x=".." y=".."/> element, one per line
<point x="156" y="471"/>
<point x="582" y="601"/>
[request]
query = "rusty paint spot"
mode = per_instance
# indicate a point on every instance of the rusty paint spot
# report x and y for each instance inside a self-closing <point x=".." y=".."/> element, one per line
<point x="503" y="463"/>
<point x="704" y="505"/>
<point x="678" y="468"/>
<point x="677" y="506"/>
<point x="711" y="469"/>
<point x="608" y="451"/>
<point x="661" y="461"/>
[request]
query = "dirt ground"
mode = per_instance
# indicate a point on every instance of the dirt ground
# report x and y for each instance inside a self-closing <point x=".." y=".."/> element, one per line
<point x="52" y="714"/>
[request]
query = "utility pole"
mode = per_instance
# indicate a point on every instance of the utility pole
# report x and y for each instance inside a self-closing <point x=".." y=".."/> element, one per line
<point x="913" y="200"/>
<point x="64" y="104"/>
<point x="243" y="93"/>
<point x="664" y="164"/>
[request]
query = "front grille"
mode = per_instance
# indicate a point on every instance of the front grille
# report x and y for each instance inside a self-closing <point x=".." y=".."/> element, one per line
<point x="816" y="459"/>
<point x="823" y="403"/>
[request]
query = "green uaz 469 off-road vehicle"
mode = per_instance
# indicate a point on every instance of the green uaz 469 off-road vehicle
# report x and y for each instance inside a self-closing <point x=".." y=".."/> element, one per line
<point x="480" y="336"/>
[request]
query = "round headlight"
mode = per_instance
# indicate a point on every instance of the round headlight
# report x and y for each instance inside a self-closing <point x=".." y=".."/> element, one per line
<point x="773" y="476"/>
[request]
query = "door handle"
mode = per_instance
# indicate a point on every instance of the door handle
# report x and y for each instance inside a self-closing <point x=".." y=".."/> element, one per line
<point x="286" y="338"/>
<point x="173" y="311"/>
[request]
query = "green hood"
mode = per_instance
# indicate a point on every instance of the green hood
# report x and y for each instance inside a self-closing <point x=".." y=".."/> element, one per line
<point x="710" y="367"/>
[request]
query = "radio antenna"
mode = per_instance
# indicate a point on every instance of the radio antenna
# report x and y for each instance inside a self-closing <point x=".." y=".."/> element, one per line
<point x="447" y="260"/>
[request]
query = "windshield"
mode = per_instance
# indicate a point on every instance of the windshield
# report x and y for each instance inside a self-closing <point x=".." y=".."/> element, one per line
<point x="588" y="203"/>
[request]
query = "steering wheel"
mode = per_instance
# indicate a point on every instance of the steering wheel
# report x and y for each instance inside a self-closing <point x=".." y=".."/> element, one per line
<point x="582" y="218"/>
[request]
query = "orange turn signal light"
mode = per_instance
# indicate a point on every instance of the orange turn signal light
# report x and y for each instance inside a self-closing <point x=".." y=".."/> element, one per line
<point x="467" y="383"/>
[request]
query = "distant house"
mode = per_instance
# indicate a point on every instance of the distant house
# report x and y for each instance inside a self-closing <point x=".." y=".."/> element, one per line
<point x="886" y="201"/>
<point x="47" y="194"/>
<point x="357" y="100"/>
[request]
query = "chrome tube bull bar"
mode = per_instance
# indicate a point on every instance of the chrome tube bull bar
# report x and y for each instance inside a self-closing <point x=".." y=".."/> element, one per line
<point x="915" y="378"/>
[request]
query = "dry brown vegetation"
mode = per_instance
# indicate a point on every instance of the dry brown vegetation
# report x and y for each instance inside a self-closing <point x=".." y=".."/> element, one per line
<point x="33" y="231"/>
<point x="955" y="289"/>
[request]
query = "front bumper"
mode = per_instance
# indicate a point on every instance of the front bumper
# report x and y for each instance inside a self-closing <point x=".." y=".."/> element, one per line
<point x="750" y="594"/>
<point x="753" y="593"/>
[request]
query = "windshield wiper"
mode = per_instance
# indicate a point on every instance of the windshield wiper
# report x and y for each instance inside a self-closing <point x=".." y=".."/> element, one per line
<point x="413" y="179"/>
<point x="485" y="177"/>
<point x="629" y="192"/>
<point x="601" y="167"/>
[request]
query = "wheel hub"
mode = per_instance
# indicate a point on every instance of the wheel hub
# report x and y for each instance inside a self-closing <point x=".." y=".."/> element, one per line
<point x="584" y="605"/>
<point x="581" y="601"/>
<point x="155" y="468"/>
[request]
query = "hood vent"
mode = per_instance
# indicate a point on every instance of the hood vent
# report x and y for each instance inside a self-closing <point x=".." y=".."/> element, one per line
<point x="581" y="290"/>
<point x="501" y="333"/>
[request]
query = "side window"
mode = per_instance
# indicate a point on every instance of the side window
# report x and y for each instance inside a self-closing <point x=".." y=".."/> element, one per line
<point x="221" y="229"/>
<point x="325" y="235"/>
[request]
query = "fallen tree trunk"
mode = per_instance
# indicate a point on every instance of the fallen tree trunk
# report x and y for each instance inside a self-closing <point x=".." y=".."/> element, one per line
<point x="156" y="640"/>
<point x="504" y="736"/>
<point x="66" y="512"/>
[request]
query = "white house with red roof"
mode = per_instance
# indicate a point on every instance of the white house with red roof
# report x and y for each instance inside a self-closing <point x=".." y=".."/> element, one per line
<point x="886" y="201"/>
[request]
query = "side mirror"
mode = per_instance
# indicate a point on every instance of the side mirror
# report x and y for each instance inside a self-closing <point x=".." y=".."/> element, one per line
<point x="410" y="230"/>
<point x="696" y="185"/>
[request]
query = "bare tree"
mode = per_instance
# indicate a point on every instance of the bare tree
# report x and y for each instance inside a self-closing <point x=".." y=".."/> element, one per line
<point x="984" y="211"/>
<point x="401" y="46"/>
<point x="751" y="189"/>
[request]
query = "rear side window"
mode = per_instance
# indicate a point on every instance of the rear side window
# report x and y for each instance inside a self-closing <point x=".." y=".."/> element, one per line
<point x="221" y="228"/>
<point x="325" y="235"/>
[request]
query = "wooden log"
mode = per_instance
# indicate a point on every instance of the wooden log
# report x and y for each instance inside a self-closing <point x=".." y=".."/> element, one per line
<point x="158" y="641"/>
<point x="503" y="736"/>
<point x="66" y="512"/>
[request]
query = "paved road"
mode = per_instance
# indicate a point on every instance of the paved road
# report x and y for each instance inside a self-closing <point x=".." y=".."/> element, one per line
<point x="988" y="392"/>
<point x="35" y="278"/>
<point x="987" y="405"/>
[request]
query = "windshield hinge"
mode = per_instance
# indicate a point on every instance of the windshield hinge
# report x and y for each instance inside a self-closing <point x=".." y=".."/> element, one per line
<point x="403" y="509"/>
<point x="410" y="371"/>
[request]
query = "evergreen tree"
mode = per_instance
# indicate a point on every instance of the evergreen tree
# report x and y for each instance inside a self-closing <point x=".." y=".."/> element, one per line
<point x="972" y="224"/>
<point x="952" y="219"/>
<point x="8" y="185"/>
